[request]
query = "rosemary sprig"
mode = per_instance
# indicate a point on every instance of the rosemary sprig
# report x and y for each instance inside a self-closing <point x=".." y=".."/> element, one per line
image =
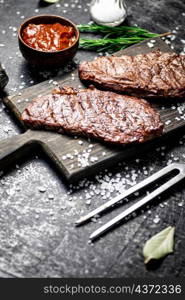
<point x="110" y="45"/>
<point x="115" y="31"/>
<point x="115" y="38"/>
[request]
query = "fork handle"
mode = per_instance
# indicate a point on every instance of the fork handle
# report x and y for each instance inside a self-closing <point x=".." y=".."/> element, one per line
<point x="128" y="192"/>
<point x="136" y="206"/>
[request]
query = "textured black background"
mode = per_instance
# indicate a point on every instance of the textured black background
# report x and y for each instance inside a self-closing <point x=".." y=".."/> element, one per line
<point x="38" y="209"/>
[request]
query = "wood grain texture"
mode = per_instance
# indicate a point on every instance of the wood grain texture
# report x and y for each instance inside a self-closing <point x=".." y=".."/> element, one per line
<point x="58" y="146"/>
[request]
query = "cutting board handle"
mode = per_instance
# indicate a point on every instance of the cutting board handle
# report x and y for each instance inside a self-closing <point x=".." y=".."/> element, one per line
<point x="55" y="154"/>
<point x="12" y="148"/>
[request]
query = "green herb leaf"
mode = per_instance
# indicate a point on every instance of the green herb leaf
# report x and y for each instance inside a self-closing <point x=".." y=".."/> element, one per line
<point x="123" y="31"/>
<point x="159" y="245"/>
<point x="50" y="1"/>
<point x="110" y="45"/>
<point x="114" y="38"/>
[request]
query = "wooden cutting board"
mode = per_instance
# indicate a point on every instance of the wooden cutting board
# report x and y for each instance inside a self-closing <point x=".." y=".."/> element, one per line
<point x="79" y="157"/>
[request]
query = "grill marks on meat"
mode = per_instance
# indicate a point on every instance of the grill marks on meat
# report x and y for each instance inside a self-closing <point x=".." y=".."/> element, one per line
<point x="155" y="74"/>
<point x="111" y="117"/>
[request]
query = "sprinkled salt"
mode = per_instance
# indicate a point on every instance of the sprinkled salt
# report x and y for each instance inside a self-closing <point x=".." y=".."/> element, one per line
<point x="172" y="37"/>
<point x="93" y="159"/>
<point x="150" y="45"/>
<point x="156" y="220"/>
<point x="168" y="122"/>
<point x="83" y="159"/>
<point x="42" y="189"/>
<point x="167" y="42"/>
<point x="176" y="158"/>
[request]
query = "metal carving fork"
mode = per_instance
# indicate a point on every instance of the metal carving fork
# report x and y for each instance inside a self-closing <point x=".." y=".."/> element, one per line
<point x="180" y="174"/>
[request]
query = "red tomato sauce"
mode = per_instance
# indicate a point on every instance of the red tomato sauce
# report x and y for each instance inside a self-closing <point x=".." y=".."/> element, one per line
<point x="49" y="37"/>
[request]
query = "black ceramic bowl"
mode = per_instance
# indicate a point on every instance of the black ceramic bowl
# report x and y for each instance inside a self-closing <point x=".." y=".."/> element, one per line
<point x="47" y="58"/>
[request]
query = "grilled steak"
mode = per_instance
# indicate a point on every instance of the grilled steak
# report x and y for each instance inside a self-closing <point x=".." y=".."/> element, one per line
<point x="155" y="74"/>
<point x="105" y="115"/>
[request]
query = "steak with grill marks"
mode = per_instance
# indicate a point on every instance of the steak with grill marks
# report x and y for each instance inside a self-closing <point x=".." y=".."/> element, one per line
<point x="155" y="74"/>
<point x="107" y="116"/>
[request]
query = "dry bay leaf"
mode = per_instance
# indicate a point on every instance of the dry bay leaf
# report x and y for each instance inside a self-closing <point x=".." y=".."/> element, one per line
<point x="159" y="245"/>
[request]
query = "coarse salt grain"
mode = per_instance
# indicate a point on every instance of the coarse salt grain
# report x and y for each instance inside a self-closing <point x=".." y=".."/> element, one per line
<point x="93" y="159"/>
<point x="150" y="45"/>
<point x="168" y="122"/>
<point x="156" y="220"/>
<point x="42" y="189"/>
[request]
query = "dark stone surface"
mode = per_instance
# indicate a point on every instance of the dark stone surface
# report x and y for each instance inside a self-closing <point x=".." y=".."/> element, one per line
<point x="37" y="236"/>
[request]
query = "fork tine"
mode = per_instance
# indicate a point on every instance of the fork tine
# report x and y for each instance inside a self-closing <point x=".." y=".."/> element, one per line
<point x="136" y="206"/>
<point x="127" y="193"/>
